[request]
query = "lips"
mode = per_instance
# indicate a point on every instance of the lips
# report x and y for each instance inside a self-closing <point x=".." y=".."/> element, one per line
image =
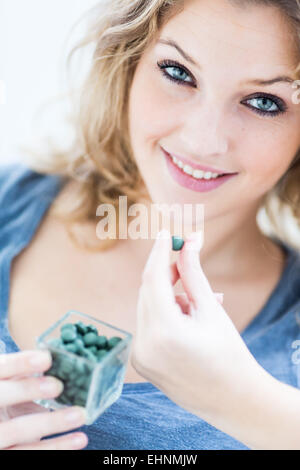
<point x="191" y="183"/>
<point x="196" y="166"/>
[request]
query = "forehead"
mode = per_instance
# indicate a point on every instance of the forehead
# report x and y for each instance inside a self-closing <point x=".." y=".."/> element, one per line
<point x="221" y="32"/>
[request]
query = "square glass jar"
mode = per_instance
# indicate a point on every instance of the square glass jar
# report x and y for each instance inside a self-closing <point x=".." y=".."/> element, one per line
<point x="93" y="385"/>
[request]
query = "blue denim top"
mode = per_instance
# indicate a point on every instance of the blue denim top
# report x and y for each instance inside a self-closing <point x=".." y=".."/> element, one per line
<point x="144" y="417"/>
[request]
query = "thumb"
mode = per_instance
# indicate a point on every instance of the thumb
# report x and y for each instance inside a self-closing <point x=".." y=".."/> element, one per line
<point x="192" y="276"/>
<point x="219" y="296"/>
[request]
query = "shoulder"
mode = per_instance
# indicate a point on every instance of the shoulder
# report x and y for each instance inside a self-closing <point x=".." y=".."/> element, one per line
<point x="293" y="265"/>
<point x="24" y="196"/>
<point x="288" y="293"/>
<point x="12" y="175"/>
<point x="20" y="184"/>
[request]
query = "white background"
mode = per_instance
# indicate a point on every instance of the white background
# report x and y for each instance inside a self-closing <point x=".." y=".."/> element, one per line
<point x="34" y="42"/>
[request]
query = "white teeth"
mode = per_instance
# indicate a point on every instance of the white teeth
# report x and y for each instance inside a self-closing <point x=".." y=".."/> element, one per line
<point x="198" y="174"/>
<point x="188" y="169"/>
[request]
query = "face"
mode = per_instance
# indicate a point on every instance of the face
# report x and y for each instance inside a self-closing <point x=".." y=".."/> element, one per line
<point x="210" y="113"/>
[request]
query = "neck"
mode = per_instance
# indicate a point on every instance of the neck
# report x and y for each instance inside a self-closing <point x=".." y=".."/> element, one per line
<point x="233" y="247"/>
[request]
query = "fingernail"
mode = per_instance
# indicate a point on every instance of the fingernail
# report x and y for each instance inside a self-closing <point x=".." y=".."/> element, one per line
<point x="51" y="385"/>
<point x="39" y="358"/>
<point x="79" y="440"/>
<point x="163" y="234"/>
<point x="194" y="241"/>
<point x="75" y="415"/>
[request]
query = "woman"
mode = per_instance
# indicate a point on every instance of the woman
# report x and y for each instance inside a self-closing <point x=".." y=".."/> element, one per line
<point x="168" y="77"/>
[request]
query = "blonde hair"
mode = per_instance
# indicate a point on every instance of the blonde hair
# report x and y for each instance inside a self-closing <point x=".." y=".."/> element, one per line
<point x="120" y="31"/>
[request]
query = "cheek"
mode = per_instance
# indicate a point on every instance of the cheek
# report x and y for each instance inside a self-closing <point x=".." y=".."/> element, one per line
<point x="267" y="153"/>
<point x="151" y="110"/>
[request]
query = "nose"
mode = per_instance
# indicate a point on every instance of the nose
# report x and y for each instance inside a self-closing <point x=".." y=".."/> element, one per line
<point x="204" y="132"/>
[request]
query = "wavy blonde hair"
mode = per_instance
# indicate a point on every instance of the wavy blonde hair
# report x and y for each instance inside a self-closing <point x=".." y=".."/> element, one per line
<point x="101" y="162"/>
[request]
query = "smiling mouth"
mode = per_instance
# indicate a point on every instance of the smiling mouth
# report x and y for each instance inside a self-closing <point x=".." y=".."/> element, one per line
<point x="196" y="173"/>
<point x="209" y="182"/>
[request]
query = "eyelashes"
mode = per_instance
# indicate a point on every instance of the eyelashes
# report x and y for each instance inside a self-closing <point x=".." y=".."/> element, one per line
<point x="281" y="107"/>
<point x="166" y="64"/>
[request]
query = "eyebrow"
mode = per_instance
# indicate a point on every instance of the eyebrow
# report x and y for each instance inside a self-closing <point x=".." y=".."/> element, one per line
<point x="170" y="42"/>
<point x="188" y="58"/>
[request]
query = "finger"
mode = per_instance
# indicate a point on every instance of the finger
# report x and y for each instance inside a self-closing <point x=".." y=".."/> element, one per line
<point x="31" y="428"/>
<point x="192" y="276"/>
<point x="9" y="412"/>
<point x="76" y="440"/>
<point x="174" y="273"/>
<point x="13" y="392"/>
<point x="219" y="296"/>
<point x="183" y="301"/>
<point x="157" y="277"/>
<point x="24" y="362"/>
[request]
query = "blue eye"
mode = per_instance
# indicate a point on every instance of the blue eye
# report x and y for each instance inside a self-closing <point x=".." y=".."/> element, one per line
<point x="268" y="105"/>
<point x="178" y="71"/>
